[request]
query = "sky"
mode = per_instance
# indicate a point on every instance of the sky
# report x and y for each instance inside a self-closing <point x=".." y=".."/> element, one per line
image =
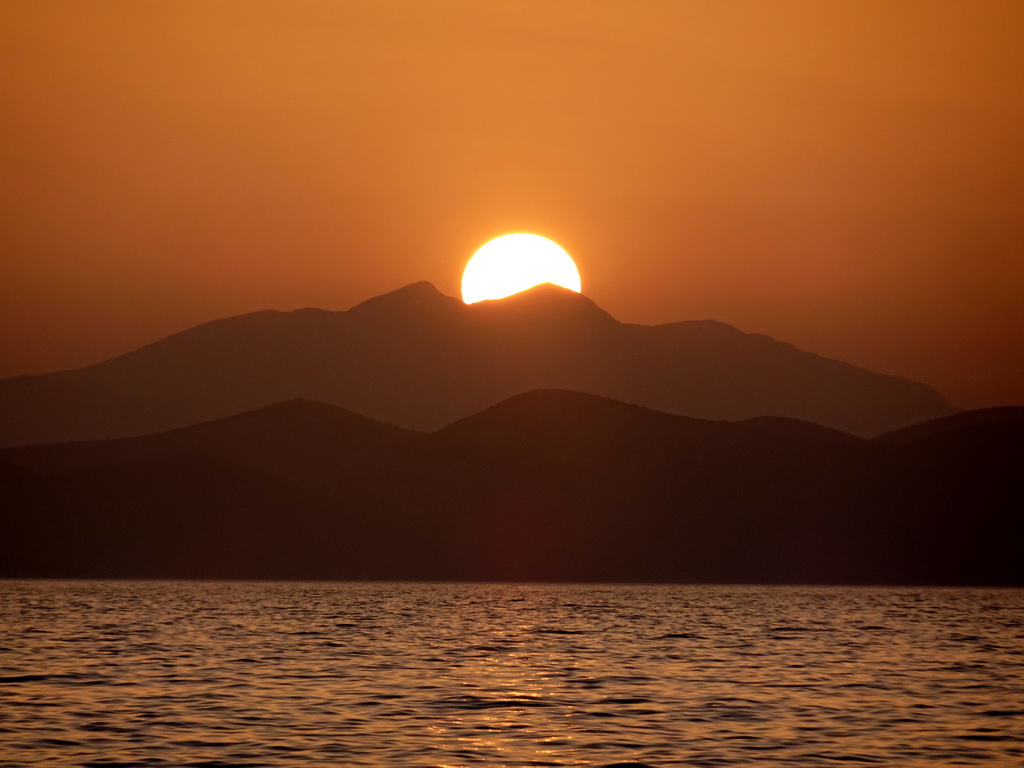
<point x="846" y="177"/>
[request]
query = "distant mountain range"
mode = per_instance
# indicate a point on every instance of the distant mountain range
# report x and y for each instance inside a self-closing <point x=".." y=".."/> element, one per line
<point x="546" y="485"/>
<point x="419" y="359"/>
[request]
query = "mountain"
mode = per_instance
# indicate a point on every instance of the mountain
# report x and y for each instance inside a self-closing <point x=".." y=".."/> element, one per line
<point x="419" y="359"/>
<point x="979" y="421"/>
<point x="299" y="440"/>
<point x="546" y="485"/>
<point x="182" y="516"/>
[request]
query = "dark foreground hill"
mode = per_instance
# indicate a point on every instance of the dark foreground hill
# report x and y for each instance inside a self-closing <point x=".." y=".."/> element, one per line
<point x="549" y="485"/>
<point x="420" y="359"/>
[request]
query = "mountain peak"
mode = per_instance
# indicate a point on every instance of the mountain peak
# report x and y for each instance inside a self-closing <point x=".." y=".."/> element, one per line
<point x="545" y="303"/>
<point x="412" y="299"/>
<point x="549" y="401"/>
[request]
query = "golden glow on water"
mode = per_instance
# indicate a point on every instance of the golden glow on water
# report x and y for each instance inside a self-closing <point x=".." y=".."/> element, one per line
<point x="508" y="675"/>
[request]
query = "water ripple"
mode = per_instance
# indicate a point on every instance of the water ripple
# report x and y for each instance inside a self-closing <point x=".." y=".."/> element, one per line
<point x="281" y="674"/>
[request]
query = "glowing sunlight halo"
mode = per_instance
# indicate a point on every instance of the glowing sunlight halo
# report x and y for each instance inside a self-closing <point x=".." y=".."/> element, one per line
<point x="512" y="263"/>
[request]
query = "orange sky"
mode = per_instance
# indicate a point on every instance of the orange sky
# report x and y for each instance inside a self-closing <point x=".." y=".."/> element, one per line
<point x="848" y="177"/>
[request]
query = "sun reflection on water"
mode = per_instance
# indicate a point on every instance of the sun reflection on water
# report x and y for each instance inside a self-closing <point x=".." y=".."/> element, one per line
<point x="507" y="675"/>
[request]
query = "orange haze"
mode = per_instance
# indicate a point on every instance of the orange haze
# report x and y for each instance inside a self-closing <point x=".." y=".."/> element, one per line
<point x="848" y="177"/>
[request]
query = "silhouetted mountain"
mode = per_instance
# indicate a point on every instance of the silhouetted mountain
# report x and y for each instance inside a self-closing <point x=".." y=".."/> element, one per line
<point x="547" y="485"/>
<point x="298" y="440"/>
<point x="545" y="308"/>
<point x="174" y="517"/>
<point x="420" y="359"/>
<point x="983" y="418"/>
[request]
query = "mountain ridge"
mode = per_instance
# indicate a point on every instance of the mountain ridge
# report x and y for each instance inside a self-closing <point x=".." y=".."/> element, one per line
<point x="935" y="428"/>
<point x="549" y="485"/>
<point x="419" y="359"/>
<point x="296" y="440"/>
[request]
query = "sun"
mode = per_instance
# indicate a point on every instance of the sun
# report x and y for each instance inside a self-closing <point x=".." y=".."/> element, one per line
<point x="512" y="263"/>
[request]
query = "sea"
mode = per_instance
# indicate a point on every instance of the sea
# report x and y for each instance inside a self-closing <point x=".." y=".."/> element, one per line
<point x="218" y="674"/>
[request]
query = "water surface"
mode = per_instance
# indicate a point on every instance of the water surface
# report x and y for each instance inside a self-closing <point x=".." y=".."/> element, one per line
<point x="398" y="674"/>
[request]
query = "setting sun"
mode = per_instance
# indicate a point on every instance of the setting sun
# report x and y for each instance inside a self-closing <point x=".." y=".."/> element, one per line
<point x="513" y="263"/>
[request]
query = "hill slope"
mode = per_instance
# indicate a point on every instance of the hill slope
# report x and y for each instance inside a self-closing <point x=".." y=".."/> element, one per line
<point x="298" y="440"/>
<point x="548" y="485"/>
<point x="422" y="360"/>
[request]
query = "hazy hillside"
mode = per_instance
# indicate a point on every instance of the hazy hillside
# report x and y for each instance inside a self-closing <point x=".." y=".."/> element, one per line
<point x="422" y="360"/>
<point x="299" y="440"/>
<point x="966" y="420"/>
